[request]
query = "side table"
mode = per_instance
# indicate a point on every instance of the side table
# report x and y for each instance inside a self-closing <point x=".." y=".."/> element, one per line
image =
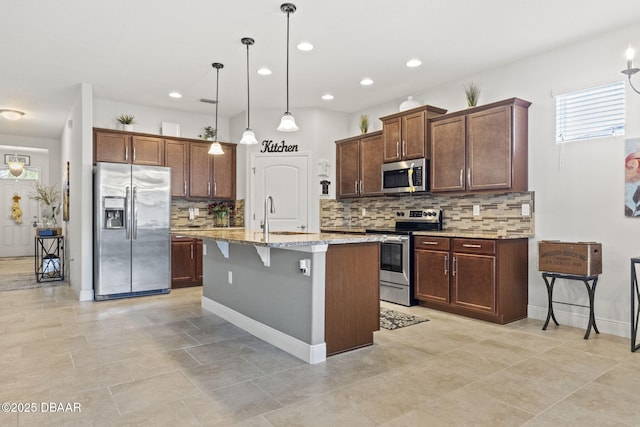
<point x="591" y="290"/>
<point x="49" y="258"/>
<point x="635" y="304"/>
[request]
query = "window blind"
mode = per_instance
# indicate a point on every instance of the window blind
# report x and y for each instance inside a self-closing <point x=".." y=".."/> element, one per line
<point x="590" y="113"/>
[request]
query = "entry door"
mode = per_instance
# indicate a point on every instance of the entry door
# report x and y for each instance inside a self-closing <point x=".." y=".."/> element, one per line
<point x="17" y="240"/>
<point x="285" y="179"/>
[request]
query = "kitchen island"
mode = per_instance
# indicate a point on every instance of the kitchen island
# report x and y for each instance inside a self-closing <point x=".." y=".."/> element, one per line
<point x="310" y="294"/>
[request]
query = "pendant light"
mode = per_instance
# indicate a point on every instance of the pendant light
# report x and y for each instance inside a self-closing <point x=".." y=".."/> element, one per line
<point x="216" y="148"/>
<point x="288" y="123"/>
<point x="16" y="165"/>
<point x="248" y="137"/>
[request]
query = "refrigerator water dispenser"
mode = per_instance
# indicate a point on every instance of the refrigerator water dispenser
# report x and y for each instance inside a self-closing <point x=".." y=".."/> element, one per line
<point x="113" y="212"/>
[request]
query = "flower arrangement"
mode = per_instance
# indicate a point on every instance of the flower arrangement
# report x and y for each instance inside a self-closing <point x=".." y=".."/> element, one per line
<point x="209" y="133"/>
<point x="49" y="196"/>
<point x="221" y="208"/>
<point x="46" y="194"/>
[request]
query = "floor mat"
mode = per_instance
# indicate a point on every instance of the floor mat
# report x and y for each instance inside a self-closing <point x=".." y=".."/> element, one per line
<point x="391" y="319"/>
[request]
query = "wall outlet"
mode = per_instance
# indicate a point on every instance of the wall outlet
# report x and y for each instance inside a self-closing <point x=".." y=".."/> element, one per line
<point x="230" y="279"/>
<point x="364" y="212"/>
<point x="476" y="210"/>
<point x="197" y="211"/>
<point x="526" y="209"/>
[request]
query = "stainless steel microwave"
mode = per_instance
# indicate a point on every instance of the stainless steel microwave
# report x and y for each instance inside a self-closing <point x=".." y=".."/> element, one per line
<point x="406" y="176"/>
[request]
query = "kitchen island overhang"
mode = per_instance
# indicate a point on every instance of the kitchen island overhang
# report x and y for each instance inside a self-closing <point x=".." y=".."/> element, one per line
<point x="257" y="284"/>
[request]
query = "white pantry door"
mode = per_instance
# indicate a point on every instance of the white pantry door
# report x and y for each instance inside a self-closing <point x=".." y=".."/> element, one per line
<point x="284" y="178"/>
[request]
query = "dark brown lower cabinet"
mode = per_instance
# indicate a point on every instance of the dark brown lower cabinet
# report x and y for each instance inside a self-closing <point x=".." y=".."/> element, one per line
<point x="186" y="262"/>
<point x="352" y="296"/>
<point x="480" y="278"/>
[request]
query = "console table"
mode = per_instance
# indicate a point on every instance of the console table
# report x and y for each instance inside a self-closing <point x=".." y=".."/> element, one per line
<point x="49" y="258"/>
<point x="635" y="304"/>
<point x="591" y="290"/>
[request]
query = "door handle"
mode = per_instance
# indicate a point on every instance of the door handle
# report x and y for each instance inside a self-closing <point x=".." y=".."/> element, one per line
<point x="469" y="245"/>
<point x="468" y="177"/>
<point x="215" y="189"/>
<point x="360" y="186"/>
<point x="127" y="220"/>
<point x="404" y="147"/>
<point x="134" y="153"/>
<point x="135" y="213"/>
<point x="355" y="187"/>
<point x="185" y="187"/>
<point x="126" y="153"/>
<point x="208" y="188"/>
<point x="397" y="148"/>
<point x="446" y="265"/>
<point x="191" y="251"/>
<point x="455" y="266"/>
<point x="461" y="175"/>
<point x="428" y="243"/>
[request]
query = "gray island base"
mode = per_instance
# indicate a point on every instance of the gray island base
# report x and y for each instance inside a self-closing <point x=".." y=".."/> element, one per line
<point x="311" y="295"/>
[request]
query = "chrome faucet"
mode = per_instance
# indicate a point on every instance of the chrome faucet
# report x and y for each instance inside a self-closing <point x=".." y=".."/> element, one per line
<point x="267" y="212"/>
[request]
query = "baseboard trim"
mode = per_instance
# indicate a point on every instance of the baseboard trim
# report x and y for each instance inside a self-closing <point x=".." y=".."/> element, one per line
<point x="580" y="320"/>
<point x="311" y="354"/>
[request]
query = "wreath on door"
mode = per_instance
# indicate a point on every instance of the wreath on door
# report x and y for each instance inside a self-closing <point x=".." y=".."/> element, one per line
<point x="16" y="211"/>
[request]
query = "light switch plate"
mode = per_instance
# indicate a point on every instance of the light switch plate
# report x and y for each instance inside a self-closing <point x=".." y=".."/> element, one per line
<point x="526" y="209"/>
<point x="476" y="210"/>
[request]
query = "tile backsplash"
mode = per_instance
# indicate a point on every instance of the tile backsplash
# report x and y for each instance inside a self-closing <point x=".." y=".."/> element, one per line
<point x="500" y="213"/>
<point x="180" y="213"/>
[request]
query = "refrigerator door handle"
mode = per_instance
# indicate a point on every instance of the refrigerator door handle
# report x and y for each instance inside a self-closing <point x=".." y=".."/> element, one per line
<point x="127" y="223"/>
<point x="134" y="224"/>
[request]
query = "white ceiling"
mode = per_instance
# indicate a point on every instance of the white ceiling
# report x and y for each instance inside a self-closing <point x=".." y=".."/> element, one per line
<point x="137" y="51"/>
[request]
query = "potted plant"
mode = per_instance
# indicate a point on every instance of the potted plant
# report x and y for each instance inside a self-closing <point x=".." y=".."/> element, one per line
<point x="209" y="133"/>
<point x="364" y="123"/>
<point x="221" y="210"/>
<point x="473" y="93"/>
<point x="126" y="120"/>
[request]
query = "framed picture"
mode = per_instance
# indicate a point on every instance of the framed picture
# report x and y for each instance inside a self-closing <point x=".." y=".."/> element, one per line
<point x="20" y="157"/>
<point x="65" y="195"/>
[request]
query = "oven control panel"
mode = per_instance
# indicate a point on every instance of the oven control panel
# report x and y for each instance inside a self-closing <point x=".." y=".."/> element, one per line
<point x="422" y="215"/>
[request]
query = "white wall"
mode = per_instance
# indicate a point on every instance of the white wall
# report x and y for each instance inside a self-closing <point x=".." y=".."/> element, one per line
<point x="149" y="119"/>
<point x="76" y="148"/>
<point x="579" y="186"/>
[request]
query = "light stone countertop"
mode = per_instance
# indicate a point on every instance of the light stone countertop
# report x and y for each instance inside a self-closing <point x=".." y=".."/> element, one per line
<point x="276" y="239"/>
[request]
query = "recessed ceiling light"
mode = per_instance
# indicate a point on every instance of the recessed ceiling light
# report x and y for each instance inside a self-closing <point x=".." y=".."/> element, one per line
<point x="414" y="63"/>
<point x="264" y="71"/>
<point x="305" y="46"/>
<point x="327" y="97"/>
<point x="366" y="81"/>
<point x="175" y="94"/>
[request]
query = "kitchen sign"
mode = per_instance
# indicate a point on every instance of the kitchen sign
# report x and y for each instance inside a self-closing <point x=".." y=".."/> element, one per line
<point x="268" y="146"/>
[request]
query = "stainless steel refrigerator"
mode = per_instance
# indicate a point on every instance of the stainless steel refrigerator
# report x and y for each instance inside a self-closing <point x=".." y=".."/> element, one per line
<point x="132" y="241"/>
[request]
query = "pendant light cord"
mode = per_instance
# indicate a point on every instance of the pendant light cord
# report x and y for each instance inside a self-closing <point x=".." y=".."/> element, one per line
<point x="248" y="109"/>
<point x="288" y="13"/>
<point x="217" y="84"/>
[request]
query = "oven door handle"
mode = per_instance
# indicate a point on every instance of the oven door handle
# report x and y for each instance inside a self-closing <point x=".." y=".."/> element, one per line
<point x="396" y="239"/>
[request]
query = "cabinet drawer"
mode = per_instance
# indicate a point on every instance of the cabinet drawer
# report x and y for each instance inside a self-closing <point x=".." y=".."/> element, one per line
<point x="474" y="246"/>
<point x="431" y="243"/>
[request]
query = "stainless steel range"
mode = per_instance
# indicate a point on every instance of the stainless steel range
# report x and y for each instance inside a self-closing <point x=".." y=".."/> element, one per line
<point x="396" y="253"/>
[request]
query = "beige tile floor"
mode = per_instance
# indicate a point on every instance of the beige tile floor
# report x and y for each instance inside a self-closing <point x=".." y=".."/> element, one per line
<point x="162" y="361"/>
